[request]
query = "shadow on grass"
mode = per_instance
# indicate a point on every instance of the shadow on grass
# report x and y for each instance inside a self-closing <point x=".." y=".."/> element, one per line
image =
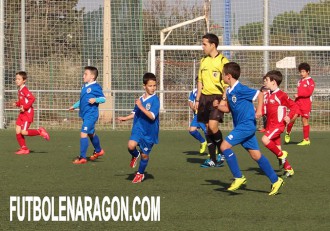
<point x="37" y="152"/>
<point x="224" y="186"/>
<point x="292" y="143"/>
<point x="195" y="160"/>
<point x="192" y="153"/>
<point x="259" y="171"/>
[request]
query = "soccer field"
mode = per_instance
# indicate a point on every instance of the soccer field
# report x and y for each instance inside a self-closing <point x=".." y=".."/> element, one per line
<point x="191" y="198"/>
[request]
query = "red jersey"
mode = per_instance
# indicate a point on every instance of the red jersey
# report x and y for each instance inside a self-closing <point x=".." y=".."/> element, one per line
<point x="305" y="90"/>
<point x="276" y="104"/>
<point x="25" y="99"/>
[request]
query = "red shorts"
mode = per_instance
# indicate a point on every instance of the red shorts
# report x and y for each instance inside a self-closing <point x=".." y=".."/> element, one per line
<point x="23" y="123"/>
<point x="274" y="135"/>
<point x="305" y="113"/>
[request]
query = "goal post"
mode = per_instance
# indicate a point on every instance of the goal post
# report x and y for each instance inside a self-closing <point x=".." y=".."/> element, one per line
<point x="155" y="48"/>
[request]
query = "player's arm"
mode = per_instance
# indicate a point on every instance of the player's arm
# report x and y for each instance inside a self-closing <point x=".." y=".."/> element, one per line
<point x="305" y="92"/>
<point x="259" y="104"/>
<point x="224" y="106"/>
<point x="191" y="105"/>
<point x="150" y="114"/>
<point x="96" y="100"/>
<point x="198" y="95"/>
<point x="293" y="107"/>
<point x="125" y="118"/>
<point x="75" y="105"/>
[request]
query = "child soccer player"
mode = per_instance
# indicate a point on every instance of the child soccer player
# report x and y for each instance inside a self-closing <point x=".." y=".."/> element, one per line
<point x="303" y="98"/>
<point x="25" y="117"/>
<point x="145" y="129"/>
<point x="90" y="97"/>
<point x="276" y="104"/>
<point x="240" y="104"/>
<point x="194" y="125"/>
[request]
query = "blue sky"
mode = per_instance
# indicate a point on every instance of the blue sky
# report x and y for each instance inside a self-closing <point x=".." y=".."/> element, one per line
<point x="245" y="10"/>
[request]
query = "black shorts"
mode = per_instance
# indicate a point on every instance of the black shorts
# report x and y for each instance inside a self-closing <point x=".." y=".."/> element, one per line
<point x="206" y="111"/>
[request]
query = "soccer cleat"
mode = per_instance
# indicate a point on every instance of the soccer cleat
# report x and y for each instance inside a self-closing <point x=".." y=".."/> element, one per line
<point x="202" y="147"/>
<point x="304" y="142"/>
<point x="210" y="164"/>
<point x="23" y="151"/>
<point x="134" y="161"/>
<point x="276" y="186"/>
<point x="138" y="178"/>
<point x="287" y="138"/>
<point x="238" y="182"/>
<point x="80" y="160"/>
<point x="44" y="133"/>
<point x="288" y="172"/>
<point x="96" y="155"/>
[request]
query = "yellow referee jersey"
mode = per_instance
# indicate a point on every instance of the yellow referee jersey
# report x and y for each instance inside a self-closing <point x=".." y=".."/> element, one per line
<point x="209" y="74"/>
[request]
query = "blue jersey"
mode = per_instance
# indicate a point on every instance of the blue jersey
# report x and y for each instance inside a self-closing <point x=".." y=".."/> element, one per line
<point x="240" y="99"/>
<point x="143" y="126"/>
<point x="88" y="91"/>
<point x="192" y="97"/>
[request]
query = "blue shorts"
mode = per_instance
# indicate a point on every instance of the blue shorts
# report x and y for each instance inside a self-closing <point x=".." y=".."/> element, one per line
<point x="195" y="123"/>
<point x="144" y="145"/>
<point x="246" y="138"/>
<point x="88" y="125"/>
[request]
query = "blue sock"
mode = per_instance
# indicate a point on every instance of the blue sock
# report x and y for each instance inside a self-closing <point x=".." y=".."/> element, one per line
<point x="134" y="152"/>
<point x="267" y="169"/>
<point x="96" y="143"/>
<point x="143" y="165"/>
<point x="83" y="147"/>
<point x="197" y="136"/>
<point x="232" y="163"/>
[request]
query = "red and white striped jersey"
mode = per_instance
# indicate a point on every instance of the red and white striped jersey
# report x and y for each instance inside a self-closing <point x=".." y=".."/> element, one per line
<point x="26" y="99"/>
<point x="305" y="90"/>
<point x="276" y="104"/>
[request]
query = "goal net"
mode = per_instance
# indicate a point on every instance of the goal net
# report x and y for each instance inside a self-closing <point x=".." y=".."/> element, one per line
<point x="180" y="67"/>
<point x="54" y="39"/>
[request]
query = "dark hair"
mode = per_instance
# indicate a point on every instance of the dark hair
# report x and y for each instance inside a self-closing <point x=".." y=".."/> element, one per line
<point x="148" y="76"/>
<point x="304" y="66"/>
<point x="23" y="74"/>
<point x="274" y="75"/>
<point x="212" y="38"/>
<point x="93" y="70"/>
<point x="233" y="69"/>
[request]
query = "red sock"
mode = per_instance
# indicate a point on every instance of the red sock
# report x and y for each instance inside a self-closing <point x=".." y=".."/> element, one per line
<point x="33" y="132"/>
<point x="21" y="140"/>
<point x="287" y="165"/>
<point x="289" y="128"/>
<point x="274" y="149"/>
<point x="306" y="132"/>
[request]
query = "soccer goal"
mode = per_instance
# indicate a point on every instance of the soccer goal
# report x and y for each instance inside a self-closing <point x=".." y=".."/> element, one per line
<point x="176" y="72"/>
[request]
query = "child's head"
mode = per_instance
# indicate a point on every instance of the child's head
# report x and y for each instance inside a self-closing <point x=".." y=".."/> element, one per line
<point x="273" y="79"/>
<point x="232" y="69"/>
<point x="90" y="74"/>
<point x="149" y="83"/>
<point x="21" y="77"/>
<point x="304" y="69"/>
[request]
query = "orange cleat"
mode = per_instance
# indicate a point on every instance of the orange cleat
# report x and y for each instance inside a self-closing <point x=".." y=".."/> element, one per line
<point x="96" y="155"/>
<point x="80" y="160"/>
<point x="138" y="178"/>
<point x="44" y="133"/>
<point x="23" y="151"/>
